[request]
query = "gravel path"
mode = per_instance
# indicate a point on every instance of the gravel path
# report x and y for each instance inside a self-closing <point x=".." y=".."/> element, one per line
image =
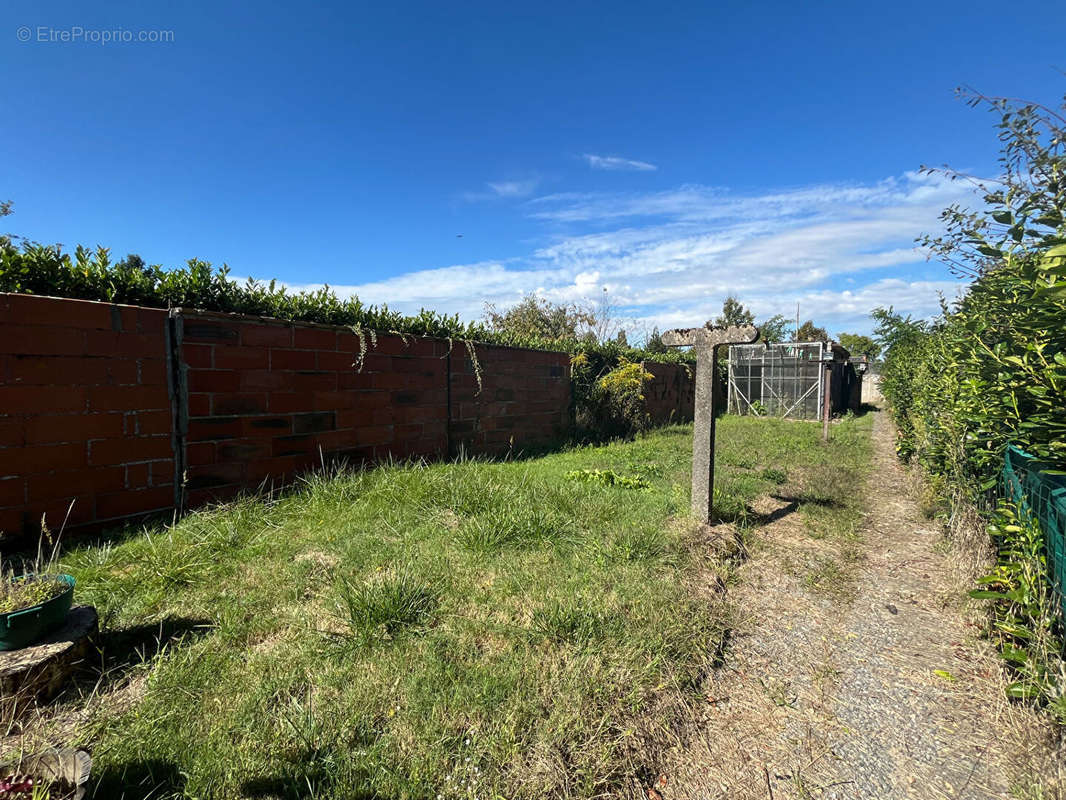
<point x="881" y="690"/>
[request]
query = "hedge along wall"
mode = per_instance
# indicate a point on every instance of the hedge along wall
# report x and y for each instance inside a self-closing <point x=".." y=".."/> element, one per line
<point x="102" y="405"/>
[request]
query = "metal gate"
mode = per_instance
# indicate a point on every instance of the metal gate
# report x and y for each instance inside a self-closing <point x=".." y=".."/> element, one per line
<point x="785" y="380"/>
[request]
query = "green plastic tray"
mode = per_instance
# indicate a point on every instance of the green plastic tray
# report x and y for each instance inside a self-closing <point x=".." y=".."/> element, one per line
<point x="26" y="626"/>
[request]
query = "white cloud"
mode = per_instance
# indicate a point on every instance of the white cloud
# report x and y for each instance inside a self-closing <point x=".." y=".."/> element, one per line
<point x="616" y="163"/>
<point x="504" y="189"/>
<point x="514" y="188"/>
<point x="840" y="250"/>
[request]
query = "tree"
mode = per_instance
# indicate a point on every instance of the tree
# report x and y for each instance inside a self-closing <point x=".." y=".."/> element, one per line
<point x="733" y="313"/>
<point x="859" y="345"/>
<point x="536" y="318"/>
<point x="654" y="344"/>
<point x="774" y="329"/>
<point x="809" y="332"/>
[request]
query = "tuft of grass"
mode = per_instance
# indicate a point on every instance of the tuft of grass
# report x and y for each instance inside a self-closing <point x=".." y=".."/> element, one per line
<point x="518" y="524"/>
<point x="561" y="622"/>
<point x="774" y="475"/>
<point x="383" y="608"/>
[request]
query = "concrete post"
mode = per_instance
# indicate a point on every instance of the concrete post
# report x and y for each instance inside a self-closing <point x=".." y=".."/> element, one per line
<point x="706" y="341"/>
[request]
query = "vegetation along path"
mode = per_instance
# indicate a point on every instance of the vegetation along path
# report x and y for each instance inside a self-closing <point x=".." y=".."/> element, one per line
<point x="855" y="670"/>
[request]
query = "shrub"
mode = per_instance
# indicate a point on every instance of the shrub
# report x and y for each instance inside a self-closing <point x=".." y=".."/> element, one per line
<point x="609" y="393"/>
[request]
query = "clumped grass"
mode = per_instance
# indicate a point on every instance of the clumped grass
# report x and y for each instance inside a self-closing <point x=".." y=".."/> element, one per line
<point x="505" y="631"/>
<point x="385" y="607"/>
<point x="774" y="475"/>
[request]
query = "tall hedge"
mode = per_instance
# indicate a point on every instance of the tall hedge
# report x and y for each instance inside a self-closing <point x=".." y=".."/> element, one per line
<point x="992" y="368"/>
<point x="992" y="371"/>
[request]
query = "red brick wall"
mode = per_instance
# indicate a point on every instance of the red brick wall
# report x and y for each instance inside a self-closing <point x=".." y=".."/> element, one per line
<point x="524" y="398"/>
<point x="85" y="414"/>
<point x="670" y="396"/>
<point x="267" y="400"/>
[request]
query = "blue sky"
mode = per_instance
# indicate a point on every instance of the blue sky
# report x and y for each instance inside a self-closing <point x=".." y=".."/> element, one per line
<point x="672" y="153"/>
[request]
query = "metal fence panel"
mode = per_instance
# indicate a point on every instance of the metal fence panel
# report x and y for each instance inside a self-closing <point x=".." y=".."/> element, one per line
<point x="1027" y="482"/>
<point x="785" y="379"/>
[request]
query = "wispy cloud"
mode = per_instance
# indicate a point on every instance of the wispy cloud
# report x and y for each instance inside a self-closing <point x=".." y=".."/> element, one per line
<point x="504" y="189"/>
<point x="515" y="188"/>
<point x="670" y="258"/>
<point x="616" y="163"/>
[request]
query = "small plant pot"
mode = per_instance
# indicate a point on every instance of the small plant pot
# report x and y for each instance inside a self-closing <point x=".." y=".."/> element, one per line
<point x="28" y="625"/>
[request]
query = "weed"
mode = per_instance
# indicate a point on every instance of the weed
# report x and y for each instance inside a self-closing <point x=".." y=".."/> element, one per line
<point x="607" y="477"/>
<point x="1025" y="622"/>
<point x="25" y="592"/>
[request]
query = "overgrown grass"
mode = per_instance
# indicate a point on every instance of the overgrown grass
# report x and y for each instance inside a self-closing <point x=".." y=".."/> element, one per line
<point x="459" y="630"/>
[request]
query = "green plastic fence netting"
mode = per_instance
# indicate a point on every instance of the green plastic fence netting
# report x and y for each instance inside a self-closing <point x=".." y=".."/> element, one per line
<point x="1039" y="488"/>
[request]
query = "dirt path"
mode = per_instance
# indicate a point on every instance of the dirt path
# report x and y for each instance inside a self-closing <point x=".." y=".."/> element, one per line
<point x="876" y="687"/>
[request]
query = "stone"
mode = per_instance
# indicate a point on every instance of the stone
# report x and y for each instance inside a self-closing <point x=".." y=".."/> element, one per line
<point x="38" y="672"/>
<point x="706" y="341"/>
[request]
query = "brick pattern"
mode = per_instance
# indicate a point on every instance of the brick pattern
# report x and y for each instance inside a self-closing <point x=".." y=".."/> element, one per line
<point x="268" y="400"/>
<point x="85" y="414"/>
<point x="523" y="400"/>
<point x="670" y="396"/>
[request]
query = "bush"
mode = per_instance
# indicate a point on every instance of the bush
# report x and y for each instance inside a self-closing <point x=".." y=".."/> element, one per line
<point x="610" y="402"/>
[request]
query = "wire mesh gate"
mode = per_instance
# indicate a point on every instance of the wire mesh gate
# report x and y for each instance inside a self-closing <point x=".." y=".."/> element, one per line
<point x="785" y="380"/>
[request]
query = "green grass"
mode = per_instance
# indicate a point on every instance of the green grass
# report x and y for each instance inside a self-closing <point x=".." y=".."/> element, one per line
<point x="459" y="630"/>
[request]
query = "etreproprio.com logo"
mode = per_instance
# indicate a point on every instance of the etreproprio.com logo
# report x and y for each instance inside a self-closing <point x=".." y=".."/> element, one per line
<point x="76" y="34"/>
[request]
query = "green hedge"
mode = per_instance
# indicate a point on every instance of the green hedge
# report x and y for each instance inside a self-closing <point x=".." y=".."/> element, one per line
<point x="991" y="373"/>
<point x="992" y="369"/>
<point x="90" y="274"/>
